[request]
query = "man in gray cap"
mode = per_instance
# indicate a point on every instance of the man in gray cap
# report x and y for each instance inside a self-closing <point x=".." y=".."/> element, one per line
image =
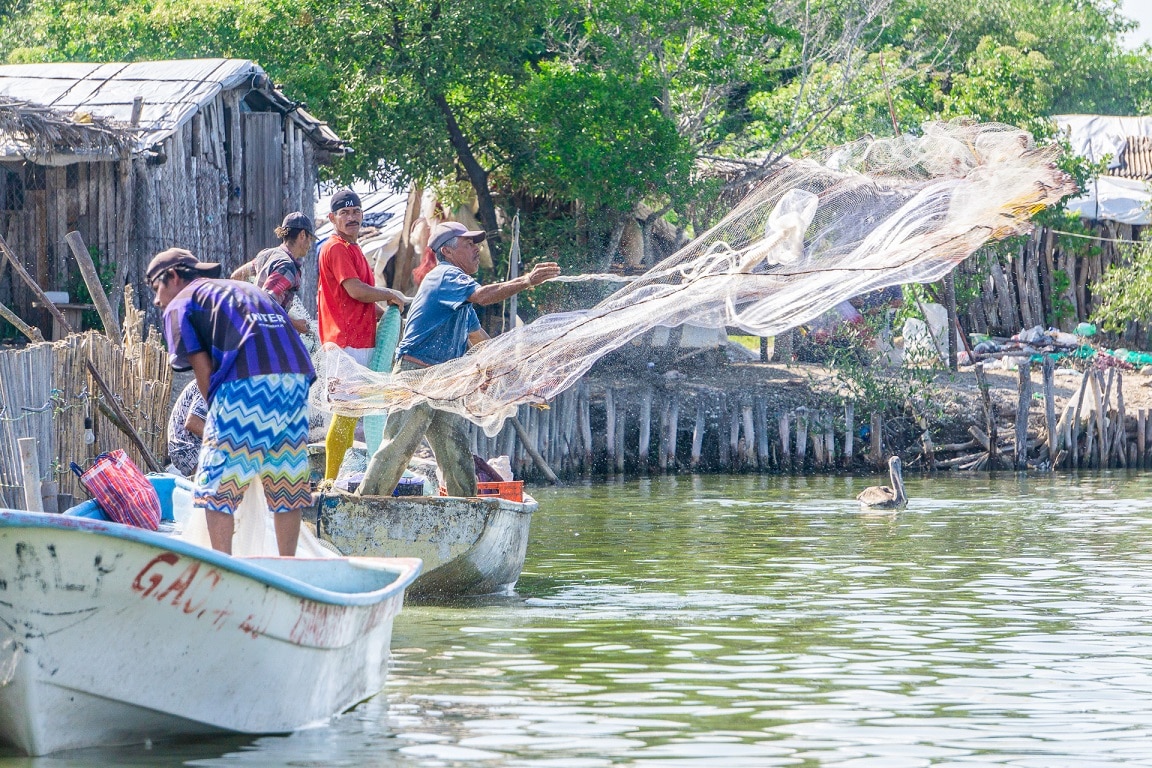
<point x="442" y="324"/>
<point x="278" y="270"/>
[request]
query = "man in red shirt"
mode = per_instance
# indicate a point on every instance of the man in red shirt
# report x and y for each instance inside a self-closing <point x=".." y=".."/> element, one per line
<point x="347" y="307"/>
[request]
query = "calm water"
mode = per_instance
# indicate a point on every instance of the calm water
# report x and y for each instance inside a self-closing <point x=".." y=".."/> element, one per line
<point x="767" y="622"/>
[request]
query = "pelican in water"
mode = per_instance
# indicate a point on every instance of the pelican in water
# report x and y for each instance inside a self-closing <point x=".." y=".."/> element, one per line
<point x="883" y="496"/>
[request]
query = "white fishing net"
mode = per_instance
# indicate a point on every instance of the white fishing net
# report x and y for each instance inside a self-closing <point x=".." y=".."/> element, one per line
<point x="875" y="213"/>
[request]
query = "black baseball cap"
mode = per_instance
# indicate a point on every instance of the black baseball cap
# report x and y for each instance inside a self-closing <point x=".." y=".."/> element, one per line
<point x="345" y="198"/>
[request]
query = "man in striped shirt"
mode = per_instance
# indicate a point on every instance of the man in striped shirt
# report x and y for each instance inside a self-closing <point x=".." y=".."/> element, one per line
<point x="254" y="372"/>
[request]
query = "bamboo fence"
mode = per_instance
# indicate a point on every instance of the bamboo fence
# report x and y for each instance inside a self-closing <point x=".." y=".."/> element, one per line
<point x="47" y="393"/>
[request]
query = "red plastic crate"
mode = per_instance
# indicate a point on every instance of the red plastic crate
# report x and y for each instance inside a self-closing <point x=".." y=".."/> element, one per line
<point x="510" y="490"/>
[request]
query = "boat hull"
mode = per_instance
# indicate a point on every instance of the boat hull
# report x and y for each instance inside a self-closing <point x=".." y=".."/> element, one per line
<point x="113" y="635"/>
<point x="469" y="546"/>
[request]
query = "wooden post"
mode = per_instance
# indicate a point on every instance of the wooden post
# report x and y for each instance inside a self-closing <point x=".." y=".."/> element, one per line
<point x="30" y="468"/>
<point x="609" y="424"/>
<point x="785" y="439"/>
<point x="1076" y="419"/>
<point x="950" y="308"/>
<point x="1024" y="400"/>
<point x="1120" y="441"/>
<point x="95" y="289"/>
<point x="620" y="419"/>
<point x="1108" y="426"/>
<point x="877" y="429"/>
<point x="645" y="428"/>
<point x="673" y="429"/>
<point x="1147" y="441"/>
<point x="698" y="433"/>
<point x="816" y="424"/>
<point x="989" y="417"/>
<point x="530" y="447"/>
<point x="1099" y="402"/>
<point x="801" y="437"/>
<point x="662" y="447"/>
<point x="763" y="451"/>
<point x="585" y="406"/>
<point x="722" y="443"/>
<point x="735" y="453"/>
<point x="749" y="435"/>
<point x="849" y="431"/>
<point x="1141" y="427"/>
<point x="31" y="331"/>
<point x="829" y="438"/>
<point x="1050" y="408"/>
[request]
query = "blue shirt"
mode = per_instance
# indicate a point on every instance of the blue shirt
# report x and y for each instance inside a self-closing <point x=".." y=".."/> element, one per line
<point x="441" y="316"/>
<point x="244" y="330"/>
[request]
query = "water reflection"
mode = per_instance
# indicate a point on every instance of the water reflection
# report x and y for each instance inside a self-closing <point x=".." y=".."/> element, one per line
<point x="766" y="622"/>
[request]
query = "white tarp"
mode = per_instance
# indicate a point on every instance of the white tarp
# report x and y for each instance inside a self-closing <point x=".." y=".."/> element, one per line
<point x="1108" y="198"/>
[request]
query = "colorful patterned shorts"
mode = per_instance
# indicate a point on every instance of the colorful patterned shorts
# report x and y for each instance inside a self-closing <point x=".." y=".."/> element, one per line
<point x="256" y="428"/>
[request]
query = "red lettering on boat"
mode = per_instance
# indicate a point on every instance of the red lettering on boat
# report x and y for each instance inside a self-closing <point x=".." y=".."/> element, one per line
<point x="154" y="579"/>
<point x="180" y="585"/>
<point x="212" y="574"/>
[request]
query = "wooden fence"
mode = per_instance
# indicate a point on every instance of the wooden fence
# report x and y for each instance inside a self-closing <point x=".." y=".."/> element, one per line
<point x="46" y="392"/>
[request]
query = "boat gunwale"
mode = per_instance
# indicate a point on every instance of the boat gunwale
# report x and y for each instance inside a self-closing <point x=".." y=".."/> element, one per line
<point x="528" y="506"/>
<point x="405" y="568"/>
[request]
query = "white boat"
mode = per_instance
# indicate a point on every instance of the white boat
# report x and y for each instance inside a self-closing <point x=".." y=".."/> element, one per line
<point x="114" y="635"/>
<point x="469" y="546"/>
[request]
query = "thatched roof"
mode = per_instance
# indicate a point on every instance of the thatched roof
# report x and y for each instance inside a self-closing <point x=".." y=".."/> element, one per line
<point x="36" y="131"/>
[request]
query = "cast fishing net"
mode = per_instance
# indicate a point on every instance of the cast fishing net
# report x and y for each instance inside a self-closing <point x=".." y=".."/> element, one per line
<point x="874" y="213"/>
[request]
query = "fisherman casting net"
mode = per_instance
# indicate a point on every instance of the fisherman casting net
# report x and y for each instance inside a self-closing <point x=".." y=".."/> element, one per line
<point x="875" y="213"/>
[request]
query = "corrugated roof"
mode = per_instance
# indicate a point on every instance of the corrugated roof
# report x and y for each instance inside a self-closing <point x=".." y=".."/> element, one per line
<point x="171" y="92"/>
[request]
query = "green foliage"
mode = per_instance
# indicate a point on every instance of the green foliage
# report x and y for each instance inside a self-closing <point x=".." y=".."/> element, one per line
<point x="78" y="291"/>
<point x="1061" y="308"/>
<point x="854" y="354"/>
<point x="597" y="106"/>
<point x="1125" y="291"/>
<point x="601" y="138"/>
<point x="1005" y="84"/>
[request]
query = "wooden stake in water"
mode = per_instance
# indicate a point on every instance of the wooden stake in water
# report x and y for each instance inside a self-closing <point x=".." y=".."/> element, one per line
<point x="609" y="423"/>
<point x="849" y="431"/>
<point x="697" y="433"/>
<point x="619" y="451"/>
<point x="785" y="439"/>
<point x="1024" y="400"/>
<point x="1050" y="408"/>
<point x="645" y="442"/>
<point x="801" y="437"/>
<point x="877" y="435"/>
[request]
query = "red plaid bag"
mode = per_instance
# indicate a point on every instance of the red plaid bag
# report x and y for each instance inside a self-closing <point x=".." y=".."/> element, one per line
<point x="121" y="490"/>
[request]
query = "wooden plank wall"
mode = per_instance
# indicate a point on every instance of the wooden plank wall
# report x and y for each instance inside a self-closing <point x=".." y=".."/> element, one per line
<point x="1015" y="292"/>
<point x="197" y="195"/>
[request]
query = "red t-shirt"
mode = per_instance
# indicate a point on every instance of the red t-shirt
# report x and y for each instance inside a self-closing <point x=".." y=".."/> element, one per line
<point x="343" y="320"/>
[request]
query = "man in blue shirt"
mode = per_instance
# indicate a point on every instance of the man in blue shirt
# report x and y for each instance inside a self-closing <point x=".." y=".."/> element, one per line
<point x="442" y="324"/>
